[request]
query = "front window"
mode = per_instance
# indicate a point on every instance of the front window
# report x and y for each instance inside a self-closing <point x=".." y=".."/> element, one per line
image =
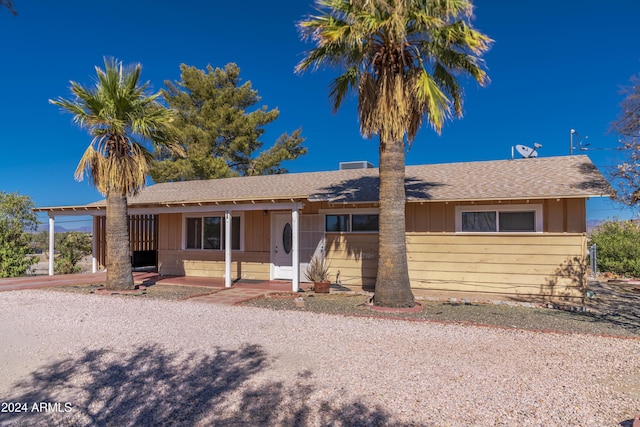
<point x="194" y="233"/>
<point x="502" y="219"/>
<point x="337" y="223"/>
<point x="364" y="222"/>
<point x="479" y="221"/>
<point x="344" y="223"/>
<point x="208" y="232"/>
<point x="517" y="221"/>
<point x="212" y="233"/>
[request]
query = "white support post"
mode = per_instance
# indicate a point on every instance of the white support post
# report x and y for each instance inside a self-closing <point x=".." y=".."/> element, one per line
<point x="52" y="223"/>
<point x="295" y="251"/>
<point x="94" y="245"/>
<point x="227" y="248"/>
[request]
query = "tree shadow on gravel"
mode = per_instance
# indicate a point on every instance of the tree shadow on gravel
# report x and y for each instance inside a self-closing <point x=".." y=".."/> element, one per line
<point x="609" y="303"/>
<point x="614" y="303"/>
<point x="154" y="387"/>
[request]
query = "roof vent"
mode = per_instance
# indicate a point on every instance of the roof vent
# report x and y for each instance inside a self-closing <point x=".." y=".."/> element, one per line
<point x="355" y="165"/>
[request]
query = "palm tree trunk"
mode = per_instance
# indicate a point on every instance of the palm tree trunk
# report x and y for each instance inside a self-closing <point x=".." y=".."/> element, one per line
<point x="119" y="275"/>
<point x="392" y="283"/>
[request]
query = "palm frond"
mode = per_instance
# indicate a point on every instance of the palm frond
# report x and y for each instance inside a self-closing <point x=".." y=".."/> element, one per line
<point x="436" y="102"/>
<point x="342" y="85"/>
<point x="122" y="117"/>
<point x="386" y="50"/>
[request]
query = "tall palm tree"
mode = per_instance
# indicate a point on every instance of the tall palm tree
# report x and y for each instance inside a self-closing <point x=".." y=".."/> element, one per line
<point x="122" y="117"/>
<point x="402" y="58"/>
<point x="9" y="5"/>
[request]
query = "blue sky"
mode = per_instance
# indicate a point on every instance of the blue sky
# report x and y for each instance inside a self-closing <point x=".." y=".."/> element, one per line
<point x="555" y="65"/>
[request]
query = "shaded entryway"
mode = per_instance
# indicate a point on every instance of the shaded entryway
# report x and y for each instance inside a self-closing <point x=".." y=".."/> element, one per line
<point x="143" y="235"/>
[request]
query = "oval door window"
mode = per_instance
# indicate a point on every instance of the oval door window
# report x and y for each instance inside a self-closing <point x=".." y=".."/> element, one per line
<point x="287" y="238"/>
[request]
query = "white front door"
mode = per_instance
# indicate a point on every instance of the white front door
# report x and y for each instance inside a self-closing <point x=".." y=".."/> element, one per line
<point x="282" y="246"/>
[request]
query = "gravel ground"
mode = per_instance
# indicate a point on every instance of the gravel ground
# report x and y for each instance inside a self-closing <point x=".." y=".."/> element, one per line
<point x="506" y="315"/>
<point x="73" y="359"/>
<point x="155" y="291"/>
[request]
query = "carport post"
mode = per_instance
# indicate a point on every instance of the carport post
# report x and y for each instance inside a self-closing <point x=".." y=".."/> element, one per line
<point x="295" y="252"/>
<point x="94" y="246"/>
<point x="52" y="223"/>
<point x="227" y="248"/>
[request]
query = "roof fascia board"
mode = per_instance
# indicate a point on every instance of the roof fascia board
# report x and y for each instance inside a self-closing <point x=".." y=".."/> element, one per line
<point x="170" y="208"/>
<point x="496" y="199"/>
<point x="214" y="208"/>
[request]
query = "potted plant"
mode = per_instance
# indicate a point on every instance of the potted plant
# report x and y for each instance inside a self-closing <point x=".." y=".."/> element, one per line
<point x="318" y="273"/>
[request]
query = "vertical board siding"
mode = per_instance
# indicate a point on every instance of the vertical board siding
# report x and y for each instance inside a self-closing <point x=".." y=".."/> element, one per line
<point x="559" y="215"/>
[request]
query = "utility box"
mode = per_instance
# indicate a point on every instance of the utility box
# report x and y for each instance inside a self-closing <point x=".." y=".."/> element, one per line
<point x="356" y="165"/>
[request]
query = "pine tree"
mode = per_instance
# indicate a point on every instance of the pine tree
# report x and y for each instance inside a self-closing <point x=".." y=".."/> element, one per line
<point x="220" y="137"/>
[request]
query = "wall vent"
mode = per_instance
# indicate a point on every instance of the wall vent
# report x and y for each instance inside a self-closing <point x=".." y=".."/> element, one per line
<point x="356" y="165"/>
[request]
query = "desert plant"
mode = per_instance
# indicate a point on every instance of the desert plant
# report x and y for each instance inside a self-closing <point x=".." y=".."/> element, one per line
<point x="618" y="244"/>
<point x="317" y="270"/>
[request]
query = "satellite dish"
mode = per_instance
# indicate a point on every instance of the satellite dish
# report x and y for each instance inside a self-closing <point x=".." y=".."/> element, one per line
<point x="528" y="152"/>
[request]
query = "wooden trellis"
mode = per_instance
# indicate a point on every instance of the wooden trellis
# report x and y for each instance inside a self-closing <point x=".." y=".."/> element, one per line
<point x="143" y="236"/>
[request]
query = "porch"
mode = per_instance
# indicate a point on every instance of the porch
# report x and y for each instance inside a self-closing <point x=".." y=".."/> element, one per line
<point x="221" y="243"/>
<point x="141" y="278"/>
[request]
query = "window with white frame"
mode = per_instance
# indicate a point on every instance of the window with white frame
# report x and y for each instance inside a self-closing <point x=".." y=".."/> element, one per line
<point x="352" y="222"/>
<point x="207" y="232"/>
<point x="499" y="219"/>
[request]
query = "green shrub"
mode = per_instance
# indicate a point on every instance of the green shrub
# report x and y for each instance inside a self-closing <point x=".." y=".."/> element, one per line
<point x="17" y="219"/>
<point x="618" y="246"/>
<point x="73" y="246"/>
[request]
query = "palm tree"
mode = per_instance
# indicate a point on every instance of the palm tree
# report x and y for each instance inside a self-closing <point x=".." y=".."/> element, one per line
<point x="9" y="5"/>
<point x="402" y="58"/>
<point x="121" y="116"/>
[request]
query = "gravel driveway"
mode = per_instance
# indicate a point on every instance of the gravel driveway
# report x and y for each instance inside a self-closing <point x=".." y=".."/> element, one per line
<point x="69" y="359"/>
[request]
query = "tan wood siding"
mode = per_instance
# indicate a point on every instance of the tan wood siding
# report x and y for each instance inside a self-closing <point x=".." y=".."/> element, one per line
<point x="256" y="231"/>
<point x="576" y="216"/>
<point x="527" y="265"/>
<point x="354" y="256"/>
<point x="254" y="265"/>
<point x="554" y="216"/>
<point x="170" y="231"/>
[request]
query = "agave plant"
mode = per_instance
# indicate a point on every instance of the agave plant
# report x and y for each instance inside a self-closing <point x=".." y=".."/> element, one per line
<point x="318" y="270"/>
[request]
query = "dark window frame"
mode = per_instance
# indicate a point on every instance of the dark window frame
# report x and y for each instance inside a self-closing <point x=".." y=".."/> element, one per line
<point x="373" y="219"/>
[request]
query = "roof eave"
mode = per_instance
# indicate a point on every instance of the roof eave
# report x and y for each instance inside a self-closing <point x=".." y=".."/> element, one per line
<point x="495" y="199"/>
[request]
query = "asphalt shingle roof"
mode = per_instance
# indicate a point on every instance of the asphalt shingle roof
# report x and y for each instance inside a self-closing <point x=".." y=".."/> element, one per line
<point x="538" y="178"/>
<point x="567" y="176"/>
